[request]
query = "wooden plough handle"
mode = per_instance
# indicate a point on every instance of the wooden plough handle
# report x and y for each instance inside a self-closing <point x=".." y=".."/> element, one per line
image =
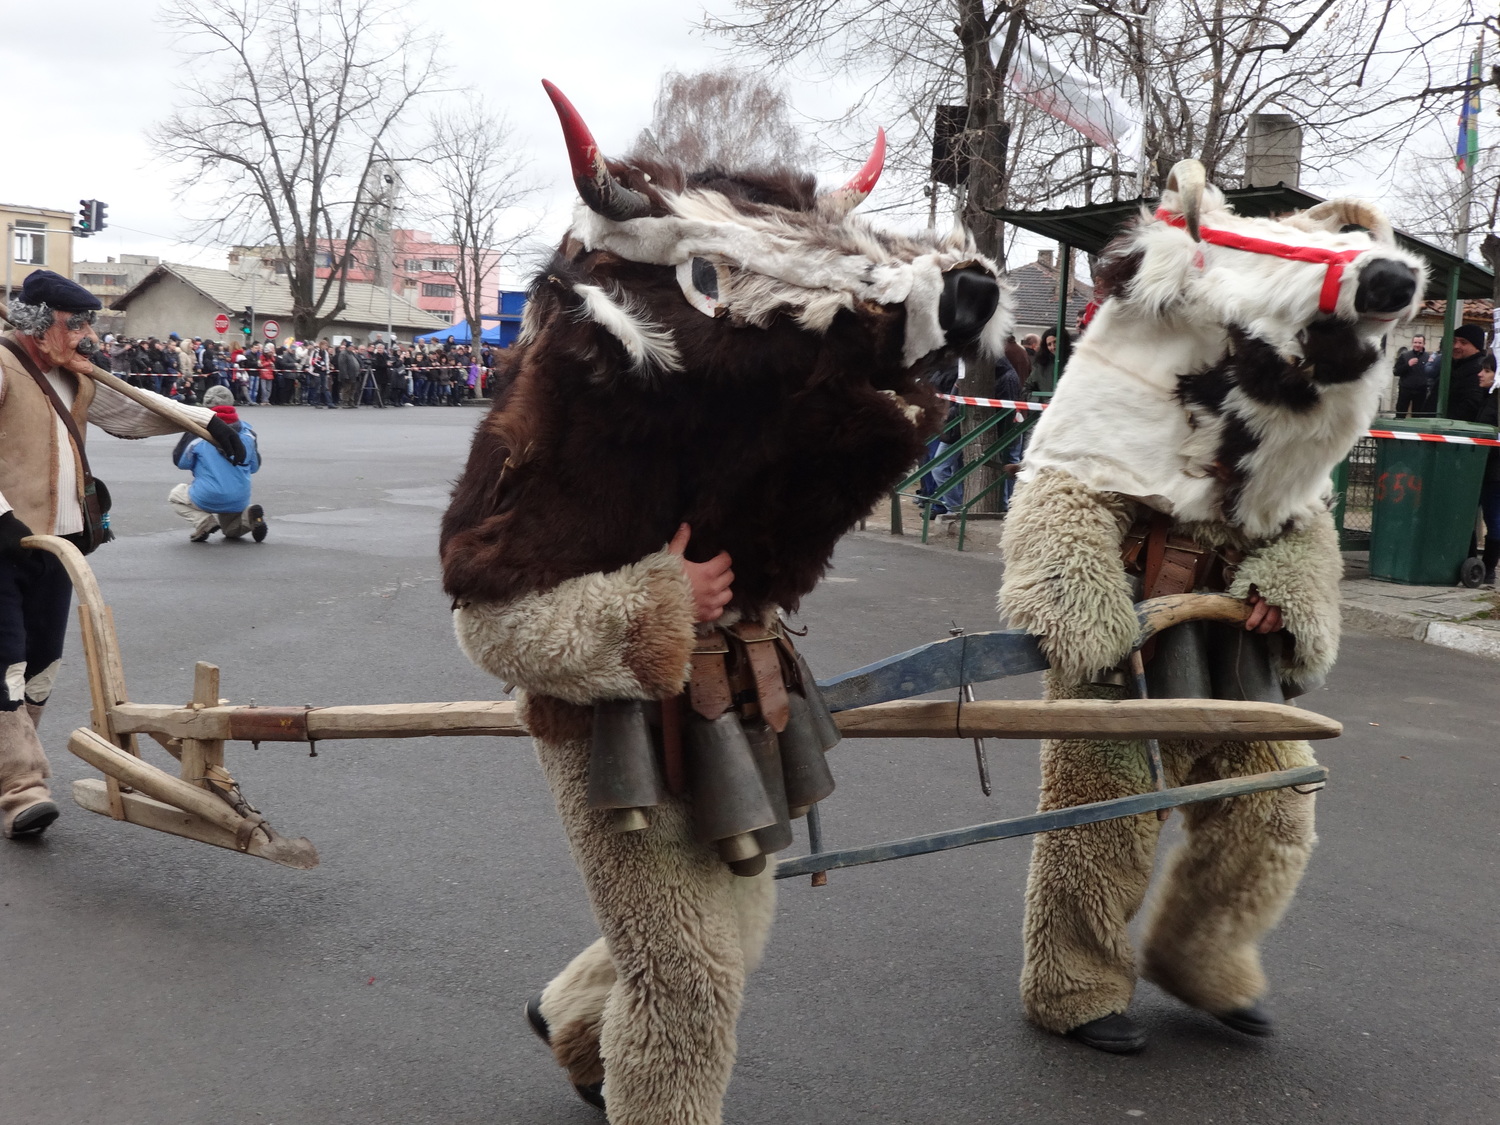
<point x="1158" y="614"/>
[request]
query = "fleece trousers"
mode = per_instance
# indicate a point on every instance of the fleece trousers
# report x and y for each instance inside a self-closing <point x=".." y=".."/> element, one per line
<point x="651" y="1006"/>
<point x="1223" y="889"/>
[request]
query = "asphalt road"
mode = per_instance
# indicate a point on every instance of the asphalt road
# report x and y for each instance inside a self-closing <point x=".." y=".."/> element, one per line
<point x="149" y="980"/>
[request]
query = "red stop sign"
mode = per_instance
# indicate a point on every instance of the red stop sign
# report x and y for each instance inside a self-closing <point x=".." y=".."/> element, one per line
<point x="221" y="324"/>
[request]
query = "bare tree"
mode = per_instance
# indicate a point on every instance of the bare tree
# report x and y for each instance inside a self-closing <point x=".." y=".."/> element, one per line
<point x="1355" y="75"/>
<point x="481" y="186"/>
<point x="727" y="118"/>
<point x="290" y="108"/>
<point x="914" y="57"/>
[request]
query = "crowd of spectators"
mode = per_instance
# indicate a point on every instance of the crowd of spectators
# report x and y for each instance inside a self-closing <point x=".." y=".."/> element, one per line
<point x="297" y="373"/>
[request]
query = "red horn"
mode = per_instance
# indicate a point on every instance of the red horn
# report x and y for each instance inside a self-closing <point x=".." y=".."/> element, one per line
<point x="596" y="185"/>
<point x="861" y="184"/>
<point x="864" y="180"/>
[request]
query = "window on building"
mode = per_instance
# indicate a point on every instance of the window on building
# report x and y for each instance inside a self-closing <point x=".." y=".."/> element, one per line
<point x="100" y="280"/>
<point x="325" y="259"/>
<point x="442" y="314"/>
<point x="429" y="290"/>
<point x="30" y="248"/>
<point x="413" y="265"/>
<point x="441" y="265"/>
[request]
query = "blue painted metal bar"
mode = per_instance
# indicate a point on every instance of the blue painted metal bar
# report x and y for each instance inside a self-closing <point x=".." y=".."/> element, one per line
<point x="1050" y="821"/>
<point x="973" y="658"/>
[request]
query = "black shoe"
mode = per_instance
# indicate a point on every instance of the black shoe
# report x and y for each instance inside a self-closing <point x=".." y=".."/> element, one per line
<point x="592" y="1092"/>
<point x="1251" y="1020"/>
<point x="34" y="821"/>
<point x="258" y="526"/>
<point x="1116" y="1033"/>
<point x="534" y="1018"/>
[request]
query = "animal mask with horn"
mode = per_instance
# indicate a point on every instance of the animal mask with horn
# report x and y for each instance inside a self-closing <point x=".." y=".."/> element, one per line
<point x="731" y="349"/>
<point x="751" y="247"/>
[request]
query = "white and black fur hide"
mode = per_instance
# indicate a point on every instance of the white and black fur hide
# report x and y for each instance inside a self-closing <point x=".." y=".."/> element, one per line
<point x="1209" y="386"/>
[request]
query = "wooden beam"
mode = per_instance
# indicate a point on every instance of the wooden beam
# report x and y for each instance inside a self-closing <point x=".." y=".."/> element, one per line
<point x="1220" y="719"/>
<point x="376" y="720"/>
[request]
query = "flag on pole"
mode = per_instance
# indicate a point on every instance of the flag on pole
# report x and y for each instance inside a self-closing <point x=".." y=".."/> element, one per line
<point x="1468" y="120"/>
<point x="1075" y="98"/>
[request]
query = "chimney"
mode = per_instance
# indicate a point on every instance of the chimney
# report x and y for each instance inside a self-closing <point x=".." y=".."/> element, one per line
<point x="1273" y="150"/>
<point x="1044" y="259"/>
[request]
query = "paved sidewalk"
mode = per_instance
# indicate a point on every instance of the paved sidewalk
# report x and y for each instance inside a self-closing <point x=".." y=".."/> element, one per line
<point x="1451" y="616"/>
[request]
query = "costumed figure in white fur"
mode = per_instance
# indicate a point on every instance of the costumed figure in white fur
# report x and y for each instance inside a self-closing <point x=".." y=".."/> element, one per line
<point x="1232" y="364"/>
<point x="716" y="370"/>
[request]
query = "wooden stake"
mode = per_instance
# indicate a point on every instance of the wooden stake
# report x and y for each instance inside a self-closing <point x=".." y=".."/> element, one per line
<point x="199" y="754"/>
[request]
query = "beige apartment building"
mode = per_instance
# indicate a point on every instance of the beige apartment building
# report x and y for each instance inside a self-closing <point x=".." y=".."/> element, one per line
<point x="35" y="238"/>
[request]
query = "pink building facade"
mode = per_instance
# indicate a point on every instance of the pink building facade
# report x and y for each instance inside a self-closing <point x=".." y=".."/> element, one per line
<point x="423" y="274"/>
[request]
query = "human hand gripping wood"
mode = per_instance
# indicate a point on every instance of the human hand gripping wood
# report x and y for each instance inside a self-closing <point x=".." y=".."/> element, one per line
<point x="710" y="580"/>
<point x="1264" y="617"/>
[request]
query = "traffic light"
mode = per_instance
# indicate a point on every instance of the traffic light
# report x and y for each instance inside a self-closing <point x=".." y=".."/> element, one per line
<point x="247" y="319"/>
<point x="85" y="217"/>
<point x="97" y="218"/>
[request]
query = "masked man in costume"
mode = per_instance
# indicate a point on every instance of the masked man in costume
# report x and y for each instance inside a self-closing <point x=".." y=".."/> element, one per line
<point x="1231" y="367"/>
<point x="46" y="401"/>
<point x="718" y="374"/>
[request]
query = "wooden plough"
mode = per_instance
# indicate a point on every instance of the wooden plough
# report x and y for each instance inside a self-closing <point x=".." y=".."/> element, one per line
<point x="202" y="801"/>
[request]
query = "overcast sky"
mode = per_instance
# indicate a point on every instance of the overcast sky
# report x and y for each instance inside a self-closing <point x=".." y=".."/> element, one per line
<point x="85" y="88"/>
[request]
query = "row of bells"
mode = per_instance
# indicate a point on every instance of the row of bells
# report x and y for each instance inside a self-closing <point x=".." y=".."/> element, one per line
<point x="747" y="783"/>
<point x="1211" y="660"/>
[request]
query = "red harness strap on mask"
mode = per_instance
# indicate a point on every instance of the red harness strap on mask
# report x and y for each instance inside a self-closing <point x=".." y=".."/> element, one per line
<point x="1335" y="260"/>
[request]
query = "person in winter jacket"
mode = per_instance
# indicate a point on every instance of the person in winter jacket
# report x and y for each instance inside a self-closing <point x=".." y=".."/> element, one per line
<point x="219" y="497"/>
<point x="1472" y="398"/>
<point x="350" y="375"/>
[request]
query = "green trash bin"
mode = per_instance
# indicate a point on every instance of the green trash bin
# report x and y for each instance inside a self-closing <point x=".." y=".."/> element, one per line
<point x="1426" y="497"/>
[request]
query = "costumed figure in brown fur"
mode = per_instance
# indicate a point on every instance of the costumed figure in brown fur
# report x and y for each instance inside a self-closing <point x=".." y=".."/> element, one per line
<point x="716" y="369"/>
<point x="1232" y="364"/>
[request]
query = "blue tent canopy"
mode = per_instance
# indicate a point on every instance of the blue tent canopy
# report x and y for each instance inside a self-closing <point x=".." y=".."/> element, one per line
<point x="460" y="334"/>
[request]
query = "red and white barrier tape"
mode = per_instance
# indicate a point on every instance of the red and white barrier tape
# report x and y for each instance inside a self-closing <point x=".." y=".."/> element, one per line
<point x="1399" y="435"/>
<point x="1402" y="435"/>
<point x="1002" y="403"/>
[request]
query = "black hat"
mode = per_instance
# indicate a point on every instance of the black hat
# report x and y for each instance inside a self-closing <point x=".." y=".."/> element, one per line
<point x="1472" y="333"/>
<point x="44" y="287"/>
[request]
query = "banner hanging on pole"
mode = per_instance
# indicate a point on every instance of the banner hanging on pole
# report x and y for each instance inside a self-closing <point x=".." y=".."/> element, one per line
<point x="1468" y="120"/>
<point x="1077" y="99"/>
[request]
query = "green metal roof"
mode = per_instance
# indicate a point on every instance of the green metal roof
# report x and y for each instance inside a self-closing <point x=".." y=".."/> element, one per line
<point x="1091" y="228"/>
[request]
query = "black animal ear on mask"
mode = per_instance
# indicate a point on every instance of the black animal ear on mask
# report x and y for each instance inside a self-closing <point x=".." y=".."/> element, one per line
<point x="596" y="185"/>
